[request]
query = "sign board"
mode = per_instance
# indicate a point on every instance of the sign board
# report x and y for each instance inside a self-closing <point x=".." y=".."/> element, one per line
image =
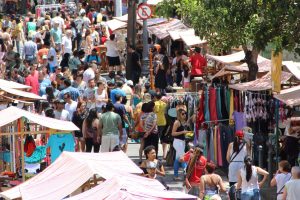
<point x="144" y="11"/>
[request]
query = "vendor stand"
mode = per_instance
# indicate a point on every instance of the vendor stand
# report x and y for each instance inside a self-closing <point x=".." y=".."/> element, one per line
<point x="14" y="122"/>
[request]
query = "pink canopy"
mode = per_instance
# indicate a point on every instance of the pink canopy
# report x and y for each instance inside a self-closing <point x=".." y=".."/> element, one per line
<point x="260" y="84"/>
<point x="123" y="188"/>
<point x="12" y="113"/>
<point x="69" y="172"/>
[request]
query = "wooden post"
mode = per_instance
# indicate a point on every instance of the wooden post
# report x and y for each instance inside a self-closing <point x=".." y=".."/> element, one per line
<point x="22" y="149"/>
<point x="151" y="69"/>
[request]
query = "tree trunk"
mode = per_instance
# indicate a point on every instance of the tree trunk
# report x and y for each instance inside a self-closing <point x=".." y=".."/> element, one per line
<point x="251" y="60"/>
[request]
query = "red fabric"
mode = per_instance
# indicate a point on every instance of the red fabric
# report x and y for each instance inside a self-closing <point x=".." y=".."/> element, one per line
<point x="198" y="169"/>
<point x="29" y="146"/>
<point x="198" y="63"/>
<point x="200" y="117"/>
<point x="90" y="16"/>
<point x="212" y="104"/>
<point x="103" y="39"/>
<point x="32" y="80"/>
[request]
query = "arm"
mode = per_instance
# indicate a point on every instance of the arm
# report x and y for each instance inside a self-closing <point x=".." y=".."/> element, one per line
<point x="120" y="129"/>
<point x="84" y="129"/>
<point x="151" y="129"/>
<point x="284" y="194"/>
<point x="228" y="154"/>
<point x="273" y="182"/>
<point x="161" y="171"/>
<point x="264" y="173"/>
<point x="239" y="183"/>
<point x="202" y="189"/>
<point x="221" y="184"/>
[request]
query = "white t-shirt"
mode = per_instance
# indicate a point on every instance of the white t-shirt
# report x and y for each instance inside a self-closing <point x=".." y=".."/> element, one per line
<point x="59" y="20"/>
<point x="112" y="50"/>
<point x="252" y="183"/>
<point x="67" y="42"/>
<point x="88" y="75"/>
<point x="71" y="108"/>
<point x="281" y="179"/>
<point x="63" y="115"/>
<point x="100" y="97"/>
<point x="293" y="189"/>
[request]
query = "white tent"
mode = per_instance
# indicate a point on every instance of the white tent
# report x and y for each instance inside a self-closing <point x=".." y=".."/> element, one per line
<point x="130" y="188"/>
<point x="69" y="172"/>
<point x="115" y="24"/>
<point x="12" y="113"/>
<point x="293" y="67"/>
<point x="290" y="97"/>
<point x="232" y="58"/>
<point x="12" y="84"/>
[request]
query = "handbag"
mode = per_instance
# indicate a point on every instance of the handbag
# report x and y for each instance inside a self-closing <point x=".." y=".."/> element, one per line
<point x="167" y="137"/>
<point x="170" y="156"/>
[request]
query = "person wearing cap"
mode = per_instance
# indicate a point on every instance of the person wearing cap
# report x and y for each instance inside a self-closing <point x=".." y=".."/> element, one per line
<point x="237" y="150"/>
<point x="192" y="183"/>
<point x="60" y="112"/>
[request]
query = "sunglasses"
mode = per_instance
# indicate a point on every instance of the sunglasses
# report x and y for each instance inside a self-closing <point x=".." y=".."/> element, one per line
<point x="183" y="113"/>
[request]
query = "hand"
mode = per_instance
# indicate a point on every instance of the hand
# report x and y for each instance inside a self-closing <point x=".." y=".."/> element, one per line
<point x="146" y="135"/>
<point x="260" y="184"/>
<point x="187" y="184"/>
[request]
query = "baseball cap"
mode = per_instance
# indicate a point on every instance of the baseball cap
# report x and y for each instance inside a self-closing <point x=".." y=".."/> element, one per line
<point x="129" y="82"/>
<point x="239" y="134"/>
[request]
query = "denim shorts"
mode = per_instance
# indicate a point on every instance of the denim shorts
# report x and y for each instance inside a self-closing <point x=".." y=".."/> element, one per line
<point x="251" y="195"/>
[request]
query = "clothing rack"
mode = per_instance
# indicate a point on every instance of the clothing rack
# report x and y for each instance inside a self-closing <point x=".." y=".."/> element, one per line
<point x="221" y="120"/>
<point x="182" y="93"/>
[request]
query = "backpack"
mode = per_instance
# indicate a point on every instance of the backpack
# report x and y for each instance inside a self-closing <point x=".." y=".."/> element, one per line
<point x="88" y="58"/>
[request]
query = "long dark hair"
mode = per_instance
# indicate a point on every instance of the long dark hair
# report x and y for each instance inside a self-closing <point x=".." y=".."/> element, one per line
<point x="91" y="117"/>
<point x="236" y="144"/>
<point x="248" y="167"/>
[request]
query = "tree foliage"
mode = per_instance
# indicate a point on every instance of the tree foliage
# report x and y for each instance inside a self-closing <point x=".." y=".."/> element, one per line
<point x="230" y="23"/>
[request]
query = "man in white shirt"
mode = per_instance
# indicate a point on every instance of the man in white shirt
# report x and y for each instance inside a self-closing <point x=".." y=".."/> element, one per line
<point x="89" y="73"/>
<point x="292" y="187"/>
<point x="58" y="19"/>
<point x="67" y="43"/>
<point x="60" y="113"/>
<point x="70" y="105"/>
<point x="112" y="53"/>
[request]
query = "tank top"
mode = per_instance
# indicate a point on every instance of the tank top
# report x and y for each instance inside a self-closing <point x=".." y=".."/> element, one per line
<point x="92" y="133"/>
<point x="100" y="96"/>
<point x="237" y="163"/>
<point x="252" y="183"/>
<point x="210" y="190"/>
<point x="179" y="129"/>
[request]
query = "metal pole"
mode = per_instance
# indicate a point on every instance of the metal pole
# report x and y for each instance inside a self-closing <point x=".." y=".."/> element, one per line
<point x="131" y="35"/>
<point x="270" y="158"/>
<point x="277" y="131"/>
<point x="260" y="157"/>
<point x="145" y="68"/>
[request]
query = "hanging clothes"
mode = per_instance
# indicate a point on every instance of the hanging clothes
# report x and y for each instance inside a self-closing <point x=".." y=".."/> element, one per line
<point x="212" y="104"/>
<point x="224" y="109"/>
<point x="231" y="108"/>
<point x="219" y="100"/>
<point x="206" y="105"/>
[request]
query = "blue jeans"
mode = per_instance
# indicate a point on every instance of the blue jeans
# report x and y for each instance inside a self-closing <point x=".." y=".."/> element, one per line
<point x="177" y="164"/>
<point x="251" y="195"/>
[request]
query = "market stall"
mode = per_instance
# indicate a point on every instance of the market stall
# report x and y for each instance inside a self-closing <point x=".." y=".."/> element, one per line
<point x="17" y="124"/>
<point x="290" y="97"/>
<point x="72" y="170"/>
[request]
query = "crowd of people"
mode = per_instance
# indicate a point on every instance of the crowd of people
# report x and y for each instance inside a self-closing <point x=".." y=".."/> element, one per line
<point x="56" y="55"/>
